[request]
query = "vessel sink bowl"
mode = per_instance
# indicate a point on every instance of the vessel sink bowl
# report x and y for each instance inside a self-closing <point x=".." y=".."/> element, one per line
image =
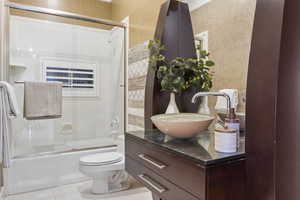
<point x="182" y="125"/>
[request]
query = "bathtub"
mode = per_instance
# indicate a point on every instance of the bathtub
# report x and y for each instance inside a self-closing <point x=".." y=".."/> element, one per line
<point x="49" y="170"/>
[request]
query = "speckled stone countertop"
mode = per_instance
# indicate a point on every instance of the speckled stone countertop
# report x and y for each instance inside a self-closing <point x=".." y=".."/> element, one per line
<point x="200" y="149"/>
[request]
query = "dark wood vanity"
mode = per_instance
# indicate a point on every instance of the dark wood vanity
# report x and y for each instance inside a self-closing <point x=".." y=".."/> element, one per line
<point x="175" y="169"/>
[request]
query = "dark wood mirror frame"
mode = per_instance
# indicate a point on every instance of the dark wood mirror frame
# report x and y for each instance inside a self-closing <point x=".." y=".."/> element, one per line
<point x="272" y="110"/>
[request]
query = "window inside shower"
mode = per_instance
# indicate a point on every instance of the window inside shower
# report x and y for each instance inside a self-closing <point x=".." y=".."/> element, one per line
<point x="88" y="59"/>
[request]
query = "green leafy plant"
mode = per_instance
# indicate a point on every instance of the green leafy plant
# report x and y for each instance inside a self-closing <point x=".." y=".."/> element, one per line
<point x="180" y="74"/>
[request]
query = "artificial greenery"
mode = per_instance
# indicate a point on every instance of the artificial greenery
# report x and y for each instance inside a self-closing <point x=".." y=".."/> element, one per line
<point x="180" y="74"/>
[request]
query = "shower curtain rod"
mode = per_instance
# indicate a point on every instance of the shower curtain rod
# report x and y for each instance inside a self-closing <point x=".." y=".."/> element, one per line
<point x="63" y="14"/>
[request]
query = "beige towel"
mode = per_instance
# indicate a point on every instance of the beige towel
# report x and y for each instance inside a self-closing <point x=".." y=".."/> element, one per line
<point x="42" y="100"/>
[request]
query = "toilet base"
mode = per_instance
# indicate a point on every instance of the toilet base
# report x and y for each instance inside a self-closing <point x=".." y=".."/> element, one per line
<point x="87" y="193"/>
<point x="111" y="189"/>
<point x="111" y="181"/>
<point x="121" y="187"/>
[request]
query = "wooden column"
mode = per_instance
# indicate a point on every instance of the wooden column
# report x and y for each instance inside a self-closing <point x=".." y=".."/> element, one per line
<point x="174" y="29"/>
<point x="288" y="106"/>
<point x="273" y="97"/>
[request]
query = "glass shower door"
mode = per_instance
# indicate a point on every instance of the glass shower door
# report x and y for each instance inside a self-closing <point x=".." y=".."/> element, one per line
<point x="88" y="59"/>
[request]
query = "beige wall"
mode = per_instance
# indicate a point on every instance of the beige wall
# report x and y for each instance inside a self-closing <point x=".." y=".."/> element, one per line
<point x="229" y="24"/>
<point x="92" y="8"/>
<point x="143" y="15"/>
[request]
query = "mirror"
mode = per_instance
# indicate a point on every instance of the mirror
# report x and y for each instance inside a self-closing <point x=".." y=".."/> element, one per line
<point x="223" y="28"/>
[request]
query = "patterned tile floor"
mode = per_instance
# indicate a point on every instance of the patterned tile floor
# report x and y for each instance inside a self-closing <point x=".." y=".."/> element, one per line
<point x="77" y="192"/>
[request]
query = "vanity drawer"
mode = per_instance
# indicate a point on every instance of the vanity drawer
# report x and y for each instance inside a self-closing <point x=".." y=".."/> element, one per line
<point x="157" y="184"/>
<point x="177" y="169"/>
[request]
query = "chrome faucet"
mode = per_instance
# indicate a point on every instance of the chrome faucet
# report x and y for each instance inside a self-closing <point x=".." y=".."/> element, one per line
<point x="203" y="94"/>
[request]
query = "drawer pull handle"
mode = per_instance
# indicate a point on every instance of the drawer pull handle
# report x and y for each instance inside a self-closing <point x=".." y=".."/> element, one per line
<point x="147" y="159"/>
<point x="150" y="182"/>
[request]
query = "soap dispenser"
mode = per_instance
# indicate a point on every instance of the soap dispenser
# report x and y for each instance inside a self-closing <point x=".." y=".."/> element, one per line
<point x="231" y="121"/>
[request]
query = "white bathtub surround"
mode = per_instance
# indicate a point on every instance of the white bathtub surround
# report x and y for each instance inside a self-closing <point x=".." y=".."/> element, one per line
<point x="79" y="191"/>
<point x="42" y="100"/>
<point x="45" y="171"/>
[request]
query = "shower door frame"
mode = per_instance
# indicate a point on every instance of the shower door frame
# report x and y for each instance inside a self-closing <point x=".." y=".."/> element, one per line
<point x="5" y="55"/>
<point x="4" y="41"/>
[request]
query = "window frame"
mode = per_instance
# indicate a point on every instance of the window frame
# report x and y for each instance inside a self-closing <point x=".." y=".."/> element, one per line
<point x="73" y="64"/>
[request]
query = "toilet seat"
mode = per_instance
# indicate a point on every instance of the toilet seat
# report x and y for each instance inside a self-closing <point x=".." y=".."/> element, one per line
<point x="100" y="159"/>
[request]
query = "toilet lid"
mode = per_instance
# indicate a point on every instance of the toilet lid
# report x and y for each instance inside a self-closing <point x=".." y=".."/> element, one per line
<point x="101" y="158"/>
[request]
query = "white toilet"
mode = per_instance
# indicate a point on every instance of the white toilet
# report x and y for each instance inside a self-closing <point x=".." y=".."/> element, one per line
<point x="106" y="170"/>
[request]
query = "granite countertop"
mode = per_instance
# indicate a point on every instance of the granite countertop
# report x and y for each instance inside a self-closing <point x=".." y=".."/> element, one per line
<point x="200" y="149"/>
